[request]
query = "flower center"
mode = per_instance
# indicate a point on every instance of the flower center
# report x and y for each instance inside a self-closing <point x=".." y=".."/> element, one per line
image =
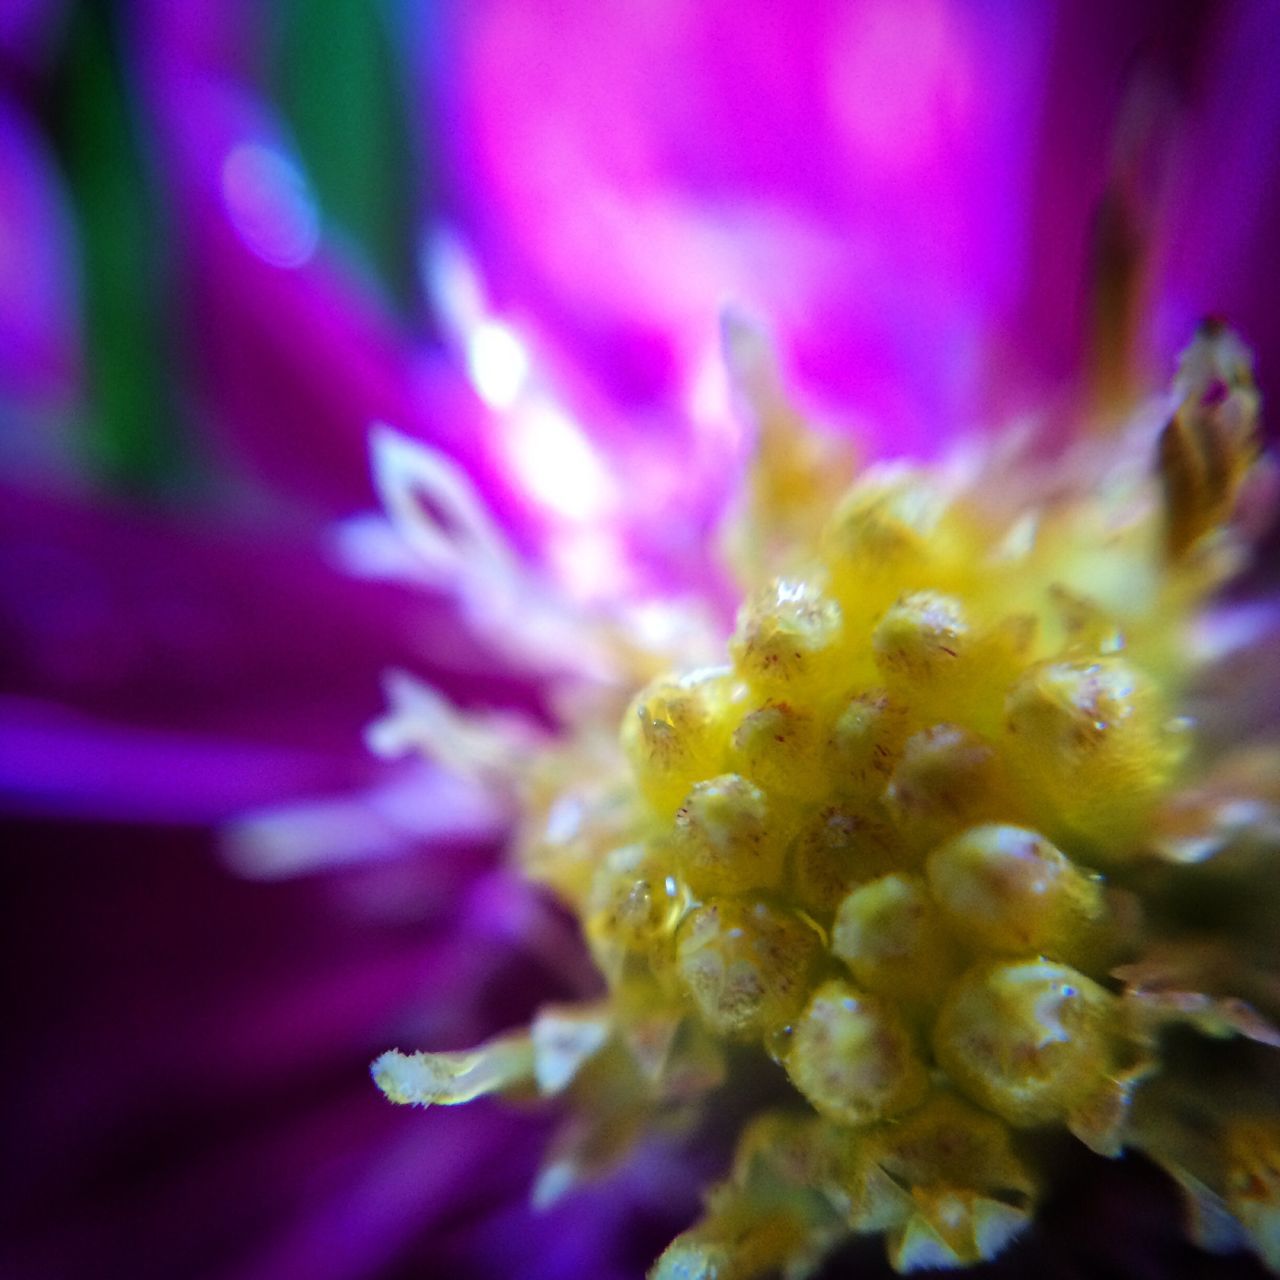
<point x="891" y="843"/>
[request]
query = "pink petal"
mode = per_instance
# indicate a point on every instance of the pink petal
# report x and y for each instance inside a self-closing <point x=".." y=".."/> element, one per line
<point x="855" y="172"/>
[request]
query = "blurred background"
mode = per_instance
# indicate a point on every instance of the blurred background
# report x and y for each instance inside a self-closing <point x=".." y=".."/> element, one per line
<point x="236" y="233"/>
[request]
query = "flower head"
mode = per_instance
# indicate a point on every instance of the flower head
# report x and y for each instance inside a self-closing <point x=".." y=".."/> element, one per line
<point x="905" y="855"/>
<point x="215" y="246"/>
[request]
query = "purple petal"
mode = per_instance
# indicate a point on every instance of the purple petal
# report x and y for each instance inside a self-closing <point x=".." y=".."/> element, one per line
<point x="39" y="323"/>
<point x="1222" y="256"/>
<point x="52" y="761"/>
<point x="193" y="1070"/>
<point x="243" y="634"/>
<point x="27" y="30"/>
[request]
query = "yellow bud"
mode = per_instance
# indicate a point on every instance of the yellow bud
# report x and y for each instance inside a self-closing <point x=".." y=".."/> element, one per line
<point x="836" y="849"/>
<point x="950" y="1143"/>
<point x="776" y="746"/>
<point x="673" y="735"/>
<point x="633" y="899"/>
<point x="1208" y="448"/>
<point x="1029" y="1040"/>
<point x="786" y="639"/>
<point x="1091" y="744"/>
<point x="946" y="780"/>
<point x="745" y="964"/>
<point x="866" y="742"/>
<point x="920" y="638"/>
<point x="1008" y="889"/>
<point x="1251" y="1152"/>
<point x="852" y="1057"/>
<point x="892" y="937"/>
<point x="724" y="842"/>
<point x="883" y="529"/>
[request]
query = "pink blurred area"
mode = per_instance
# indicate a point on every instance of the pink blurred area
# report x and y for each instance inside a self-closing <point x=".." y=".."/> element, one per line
<point x="855" y="173"/>
<point x="907" y="189"/>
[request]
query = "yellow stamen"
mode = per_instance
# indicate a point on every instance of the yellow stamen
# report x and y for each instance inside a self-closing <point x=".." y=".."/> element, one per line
<point x="897" y="843"/>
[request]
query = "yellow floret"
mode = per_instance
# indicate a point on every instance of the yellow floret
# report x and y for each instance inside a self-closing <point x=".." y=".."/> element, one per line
<point x="1093" y="748"/>
<point x="946" y="780"/>
<point x="891" y="534"/>
<point x="919" y="640"/>
<point x="724" y="840"/>
<point x="675" y="733"/>
<point x="1007" y="889"/>
<point x="1029" y="1039"/>
<point x="852" y="1056"/>
<point x="893" y="938"/>
<point x="866" y="743"/>
<point x="778" y="747"/>
<point x="837" y="848"/>
<point x="746" y="964"/>
<point x="787" y="643"/>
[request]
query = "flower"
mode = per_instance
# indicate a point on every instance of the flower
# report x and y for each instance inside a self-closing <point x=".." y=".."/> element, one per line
<point x="919" y="843"/>
<point x="293" y="352"/>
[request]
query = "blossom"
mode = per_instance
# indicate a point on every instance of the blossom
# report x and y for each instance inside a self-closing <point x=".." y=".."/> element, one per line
<point x="295" y="354"/>
<point x="918" y="843"/>
<point x="713" y="925"/>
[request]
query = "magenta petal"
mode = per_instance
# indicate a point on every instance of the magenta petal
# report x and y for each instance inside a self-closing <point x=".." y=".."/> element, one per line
<point x="855" y="172"/>
<point x="181" y="626"/>
<point x="39" y="323"/>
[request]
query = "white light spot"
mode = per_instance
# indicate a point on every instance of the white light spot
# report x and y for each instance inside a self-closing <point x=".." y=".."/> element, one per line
<point x="452" y="282"/>
<point x="706" y="395"/>
<point x="589" y="561"/>
<point x="270" y="204"/>
<point x="556" y="464"/>
<point x="564" y="822"/>
<point x="497" y="364"/>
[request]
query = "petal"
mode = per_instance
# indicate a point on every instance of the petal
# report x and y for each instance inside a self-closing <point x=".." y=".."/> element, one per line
<point x="39" y="322"/>
<point x="188" y="1042"/>
<point x="1220" y="249"/>
<point x="145" y="619"/>
<point x="27" y="29"/>
<point x="622" y="173"/>
<point x="52" y="761"/>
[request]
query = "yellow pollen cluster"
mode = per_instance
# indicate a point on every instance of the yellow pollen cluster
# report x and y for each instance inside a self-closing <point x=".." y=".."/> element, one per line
<point x="896" y="846"/>
<point x="859" y="830"/>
